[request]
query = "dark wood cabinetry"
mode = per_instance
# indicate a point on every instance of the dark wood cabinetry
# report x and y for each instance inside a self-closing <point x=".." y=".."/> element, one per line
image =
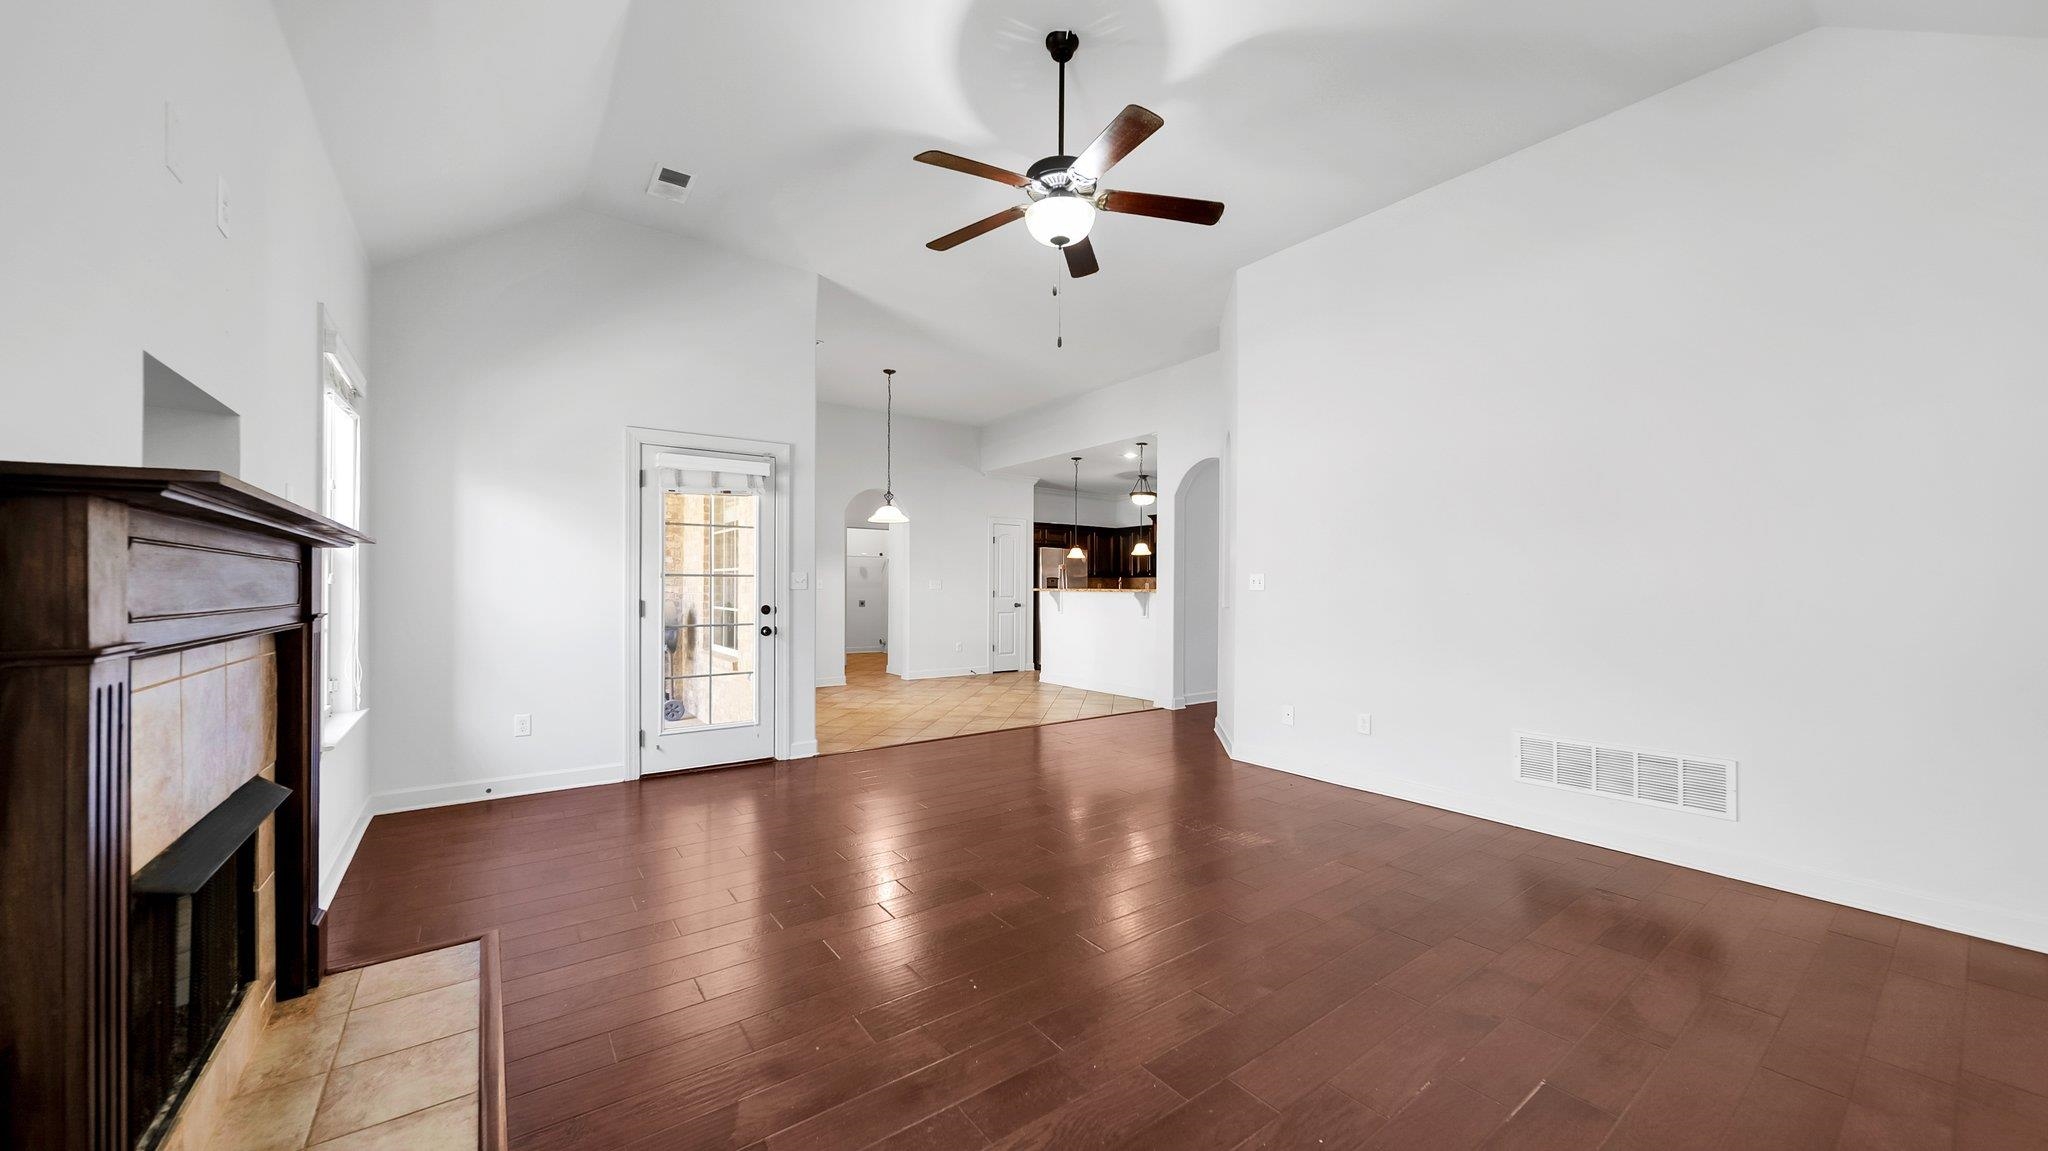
<point x="1109" y="549"/>
<point x="100" y="566"/>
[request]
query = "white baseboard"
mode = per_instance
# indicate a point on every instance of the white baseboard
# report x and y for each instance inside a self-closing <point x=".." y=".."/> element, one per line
<point x="501" y="787"/>
<point x="1223" y="737"/>
<point x="336" y="864"/>
<point x="1194" y="697"/>
<point x="2005" y="924"/>
<point x="832" y="681"/>
<point x="803" y="748"/>
<point x="944" y="672"/>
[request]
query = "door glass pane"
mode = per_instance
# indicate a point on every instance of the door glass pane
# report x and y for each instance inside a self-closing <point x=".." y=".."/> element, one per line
<point x="685" y="703"/>
<point x="709" y="608"/>
<point x="732" y="699"/>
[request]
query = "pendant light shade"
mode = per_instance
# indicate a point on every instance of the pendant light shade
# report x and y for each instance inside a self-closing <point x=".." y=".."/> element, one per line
<point x="889" y="513"/>
<point x="1076" y="552"/>
<point x="1143" y="493"/>
<point x="1139" y="546"/>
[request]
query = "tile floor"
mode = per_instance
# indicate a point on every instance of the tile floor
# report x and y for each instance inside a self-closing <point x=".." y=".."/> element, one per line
<point x="384" y="1057"/>
<point x="876" y="709"/>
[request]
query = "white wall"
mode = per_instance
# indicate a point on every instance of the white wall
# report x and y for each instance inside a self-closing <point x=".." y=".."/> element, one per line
<point x="1055" y="505"/>
<point x="105" y="255"/>
<point x="1714" y="425"/>
<point x="511" y="368"/>
<point x="933" y="631"/>
<point x="1182" y="408"/>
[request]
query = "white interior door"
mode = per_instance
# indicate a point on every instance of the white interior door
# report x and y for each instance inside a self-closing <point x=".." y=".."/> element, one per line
<point x="1008" y="572"/>
<point x="709" y="617"/>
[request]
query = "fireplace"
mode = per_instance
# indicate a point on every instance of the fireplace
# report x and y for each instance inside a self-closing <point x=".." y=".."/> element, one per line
<point x="159" y="655"/>
<point x="192" y="937"/>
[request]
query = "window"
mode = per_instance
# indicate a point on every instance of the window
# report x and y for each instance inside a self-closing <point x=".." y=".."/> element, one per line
<point x="341" y="499"/>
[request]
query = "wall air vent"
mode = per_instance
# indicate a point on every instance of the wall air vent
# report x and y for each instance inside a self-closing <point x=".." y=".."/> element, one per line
<point x="669" y="184"/>
<point x="1695" y="783"/>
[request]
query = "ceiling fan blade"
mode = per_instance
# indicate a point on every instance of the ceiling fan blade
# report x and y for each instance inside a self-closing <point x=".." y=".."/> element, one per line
<point x="973" y="168"/>
<point x="986" y="224"/>
<point x="1164" y="207"/>
<point x="1081" y="259"/>
<point x="1127" y="131"/>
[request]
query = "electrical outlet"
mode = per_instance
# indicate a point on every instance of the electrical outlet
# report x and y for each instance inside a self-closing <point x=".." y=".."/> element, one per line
<point x="1364" y="723"/>
<point x="1287" y="714"/>
<point x="959" y="646"/>
<point x="799" y="581"/>
<point x="1258" y="581"/>
<point x="220" y="206"/>
<point x="522" y="725"/>
<point x="933" y="584"/>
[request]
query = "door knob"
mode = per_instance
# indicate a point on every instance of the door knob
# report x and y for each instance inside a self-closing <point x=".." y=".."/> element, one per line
<point x="767" y="609"/>
<point x="766" y="630"/>
<point x="1016" y="605"/>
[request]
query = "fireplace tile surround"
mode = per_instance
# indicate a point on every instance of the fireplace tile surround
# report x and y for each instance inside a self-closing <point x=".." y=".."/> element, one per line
<point x="203" y="723"/>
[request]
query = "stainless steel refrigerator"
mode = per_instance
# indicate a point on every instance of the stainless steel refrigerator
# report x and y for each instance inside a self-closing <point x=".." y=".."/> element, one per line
<point x="1056" y="570"/>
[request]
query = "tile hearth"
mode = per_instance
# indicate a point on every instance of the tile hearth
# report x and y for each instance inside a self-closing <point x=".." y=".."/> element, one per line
<point x="381" y="1057"/>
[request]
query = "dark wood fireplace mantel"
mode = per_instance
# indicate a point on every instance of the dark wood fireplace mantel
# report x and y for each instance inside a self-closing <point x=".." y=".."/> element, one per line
<point x="99" y="565"/>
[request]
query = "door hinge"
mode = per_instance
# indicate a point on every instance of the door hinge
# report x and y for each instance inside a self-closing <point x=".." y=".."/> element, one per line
<point x="643" y="609"/>
<point x="643" y="477"/>
<point x="643" y="739"/>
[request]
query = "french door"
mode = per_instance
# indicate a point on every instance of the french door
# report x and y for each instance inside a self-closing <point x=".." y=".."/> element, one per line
<point x="709" y="621"/>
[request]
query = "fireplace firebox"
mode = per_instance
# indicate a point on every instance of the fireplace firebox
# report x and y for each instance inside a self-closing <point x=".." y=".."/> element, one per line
<point x="191" y="953"/>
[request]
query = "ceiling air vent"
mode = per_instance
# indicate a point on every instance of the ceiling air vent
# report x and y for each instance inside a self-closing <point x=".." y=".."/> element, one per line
<point x="1695" y="783"/>
<point x="669" y="184"/>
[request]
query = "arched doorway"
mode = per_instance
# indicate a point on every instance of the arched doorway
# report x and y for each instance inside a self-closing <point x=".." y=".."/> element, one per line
<point x="865" y="578"/>
<point x="1198" y="564"/>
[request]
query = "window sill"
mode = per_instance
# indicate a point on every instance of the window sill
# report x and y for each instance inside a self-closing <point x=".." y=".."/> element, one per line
<point x="335" y="728"/>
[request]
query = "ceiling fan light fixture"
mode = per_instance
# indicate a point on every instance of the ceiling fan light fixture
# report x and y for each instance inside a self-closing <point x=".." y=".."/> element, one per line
<point x="1059" y="219"/>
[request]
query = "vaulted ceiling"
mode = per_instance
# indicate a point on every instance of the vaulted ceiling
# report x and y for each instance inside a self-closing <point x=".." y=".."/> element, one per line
<point x="797" y="119"/>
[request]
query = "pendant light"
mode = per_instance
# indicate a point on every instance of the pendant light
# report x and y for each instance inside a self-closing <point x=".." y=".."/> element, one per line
<point x="889" y="513"/>
<point x="1143" y="493"/>
<point x="1077" y="552"/>
<point x="1141" y="548"/>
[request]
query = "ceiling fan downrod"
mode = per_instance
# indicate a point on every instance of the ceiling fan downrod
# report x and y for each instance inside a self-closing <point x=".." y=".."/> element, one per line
<point x="1062" y="45"/>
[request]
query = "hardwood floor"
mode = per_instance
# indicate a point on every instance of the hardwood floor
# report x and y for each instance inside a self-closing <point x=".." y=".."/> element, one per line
<point x="1107" y="934"/>
<point x="876" y="709"/>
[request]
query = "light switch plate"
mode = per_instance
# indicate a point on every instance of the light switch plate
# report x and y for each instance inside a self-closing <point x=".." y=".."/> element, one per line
<point x="933" y="584"/>
<point x="1258" y="581"/>
<point x="799" y="581"/>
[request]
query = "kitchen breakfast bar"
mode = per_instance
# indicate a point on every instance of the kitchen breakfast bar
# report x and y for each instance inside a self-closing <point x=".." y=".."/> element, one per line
<point x="1097" y="639"/>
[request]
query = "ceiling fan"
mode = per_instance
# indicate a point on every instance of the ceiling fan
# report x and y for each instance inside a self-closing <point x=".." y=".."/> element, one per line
<point x="1065" y="192"/>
